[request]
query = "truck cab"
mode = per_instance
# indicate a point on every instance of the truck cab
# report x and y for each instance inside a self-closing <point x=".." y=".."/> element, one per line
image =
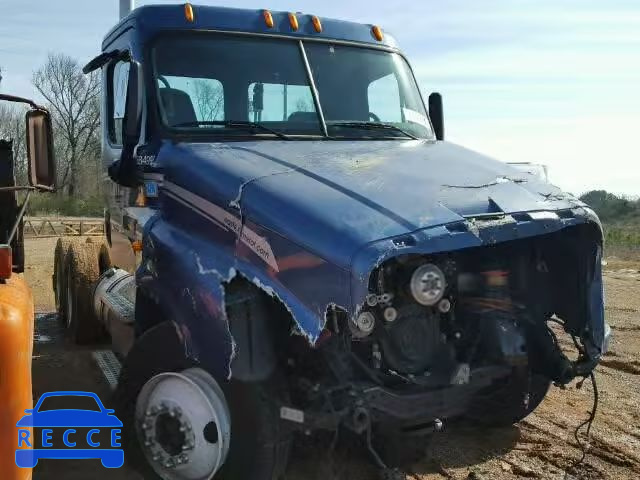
<point x="292" y="246"/>
<point x="16" y="300"/>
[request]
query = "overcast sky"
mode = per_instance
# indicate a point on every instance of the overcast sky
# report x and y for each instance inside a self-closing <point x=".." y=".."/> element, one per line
<point x="545" y="81"/>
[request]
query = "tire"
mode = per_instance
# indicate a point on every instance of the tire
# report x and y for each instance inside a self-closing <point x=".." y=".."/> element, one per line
<point x="83" y="327"/>
<point x="504" y="404"/>
<point x="59" y="278"/>
<point x="104" y="259"/>
<point x="259" y="446"/>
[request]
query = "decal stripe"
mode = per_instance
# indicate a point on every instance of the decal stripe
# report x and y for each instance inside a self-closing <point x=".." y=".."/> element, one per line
<point x="194" y="208"/>
<point x="225" y="220"/>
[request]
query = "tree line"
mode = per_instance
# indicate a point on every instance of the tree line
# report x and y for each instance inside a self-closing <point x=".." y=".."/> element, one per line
<point x="73" y="99"/>
<point x="74" y="102"/>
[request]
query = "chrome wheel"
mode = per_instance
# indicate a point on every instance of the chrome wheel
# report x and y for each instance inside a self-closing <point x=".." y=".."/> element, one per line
<point x="183" y="425"/>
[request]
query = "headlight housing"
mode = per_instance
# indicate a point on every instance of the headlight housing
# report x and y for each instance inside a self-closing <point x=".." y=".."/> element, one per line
<point x="428" y="284"/>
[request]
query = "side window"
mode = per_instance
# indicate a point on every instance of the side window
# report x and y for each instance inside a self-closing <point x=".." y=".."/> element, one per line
<point x="119" y="81"/>
<point x="281" y="102"/>
<point x="183" y="98"/>
<point x="384" y="99"/>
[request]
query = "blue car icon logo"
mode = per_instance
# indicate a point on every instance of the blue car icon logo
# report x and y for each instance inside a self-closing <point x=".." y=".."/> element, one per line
<point x="85" y="434"/>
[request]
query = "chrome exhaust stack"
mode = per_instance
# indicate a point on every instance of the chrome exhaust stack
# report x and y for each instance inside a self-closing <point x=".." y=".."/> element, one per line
<point x="126" y="6"/>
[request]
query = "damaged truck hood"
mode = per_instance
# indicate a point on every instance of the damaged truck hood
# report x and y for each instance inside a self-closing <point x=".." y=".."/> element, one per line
<point x="335" y="197"/>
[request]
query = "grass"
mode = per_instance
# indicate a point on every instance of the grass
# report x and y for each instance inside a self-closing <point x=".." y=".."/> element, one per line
<point x="622" y="242"/>
<point x="46" y="204"/>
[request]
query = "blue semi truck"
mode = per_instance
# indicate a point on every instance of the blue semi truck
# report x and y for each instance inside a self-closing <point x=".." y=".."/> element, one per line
<point x="291" y="246"/>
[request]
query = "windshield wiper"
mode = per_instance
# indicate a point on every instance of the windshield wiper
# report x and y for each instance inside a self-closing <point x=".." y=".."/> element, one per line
<point x="372" y="126"/>
<point x="234" y="124"/>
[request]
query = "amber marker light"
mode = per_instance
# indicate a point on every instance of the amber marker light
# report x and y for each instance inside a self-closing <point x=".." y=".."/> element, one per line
<point x="293" y="20"/>
<point x="188" y="12"/>
<point x="316" y="24"/>
<point x="377" y="33"/>
<point x="268" y="18"/>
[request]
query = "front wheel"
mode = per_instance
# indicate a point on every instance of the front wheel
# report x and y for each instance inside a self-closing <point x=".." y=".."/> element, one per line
<point x="182" y="423"/>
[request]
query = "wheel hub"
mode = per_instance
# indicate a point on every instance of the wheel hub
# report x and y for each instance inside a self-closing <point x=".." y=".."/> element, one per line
<point x="183" y="425"/>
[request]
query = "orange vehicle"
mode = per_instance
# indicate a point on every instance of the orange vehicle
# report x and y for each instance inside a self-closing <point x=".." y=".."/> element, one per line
<point x="16" y="302"/>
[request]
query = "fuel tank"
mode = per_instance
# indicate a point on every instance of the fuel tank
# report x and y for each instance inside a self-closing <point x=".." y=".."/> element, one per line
<point x="114" y="300"/>
<point x="16" y="349"/>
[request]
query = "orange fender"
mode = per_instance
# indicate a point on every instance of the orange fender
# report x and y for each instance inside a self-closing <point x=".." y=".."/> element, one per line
<point x="16" y="350"/>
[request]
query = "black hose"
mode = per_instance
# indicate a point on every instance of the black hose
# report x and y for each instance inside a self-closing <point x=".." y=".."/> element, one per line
<point x="588" y="423"/>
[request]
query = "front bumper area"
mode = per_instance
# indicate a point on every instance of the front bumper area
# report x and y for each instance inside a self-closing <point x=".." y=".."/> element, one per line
<point x="407" y="409"/>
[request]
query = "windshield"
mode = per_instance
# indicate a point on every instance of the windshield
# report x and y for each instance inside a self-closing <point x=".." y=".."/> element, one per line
<point x="242" y="85"/>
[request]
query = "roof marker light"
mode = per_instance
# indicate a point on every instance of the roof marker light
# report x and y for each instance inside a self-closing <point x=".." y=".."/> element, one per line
<point x="293" y="20"/>
<point x="377" y="33"/>
<point x="268" y="18"/>
<point x="316" y="24"/>
<point x="188" y="12"/>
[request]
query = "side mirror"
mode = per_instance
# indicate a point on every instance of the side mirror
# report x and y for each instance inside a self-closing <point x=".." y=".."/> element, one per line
<point x="123" y="171"/>
<point x="42" y="163"/>
<point x="436" y="114"/>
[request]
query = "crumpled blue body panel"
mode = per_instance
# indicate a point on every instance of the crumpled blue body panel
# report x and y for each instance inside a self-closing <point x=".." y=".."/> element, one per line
<point x="307" y="222"/>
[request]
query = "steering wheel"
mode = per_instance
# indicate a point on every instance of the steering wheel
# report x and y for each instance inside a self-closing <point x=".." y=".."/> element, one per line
<point x="375" y="117"/>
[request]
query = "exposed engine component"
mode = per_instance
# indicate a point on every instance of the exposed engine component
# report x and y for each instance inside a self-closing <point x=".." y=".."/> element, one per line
<point x="444" y="305"/>
<point x="412" y="341"/>
<point x="428" y="284"/>
<point x="383" y="299"/>
<point x="364" y="325"/>
<point x="390" y="314"/>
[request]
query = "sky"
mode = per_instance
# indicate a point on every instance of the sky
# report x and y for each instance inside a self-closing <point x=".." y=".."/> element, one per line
<point x="543" y="81"/>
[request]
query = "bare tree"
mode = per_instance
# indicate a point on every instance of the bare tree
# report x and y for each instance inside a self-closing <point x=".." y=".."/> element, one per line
<point x="209" y="100"/>
<point x="73" y="99"/>
<point x="13" y="127"/>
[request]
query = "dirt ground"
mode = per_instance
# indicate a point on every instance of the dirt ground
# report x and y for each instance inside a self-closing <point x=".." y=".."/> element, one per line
<point x="542" y="446"/>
